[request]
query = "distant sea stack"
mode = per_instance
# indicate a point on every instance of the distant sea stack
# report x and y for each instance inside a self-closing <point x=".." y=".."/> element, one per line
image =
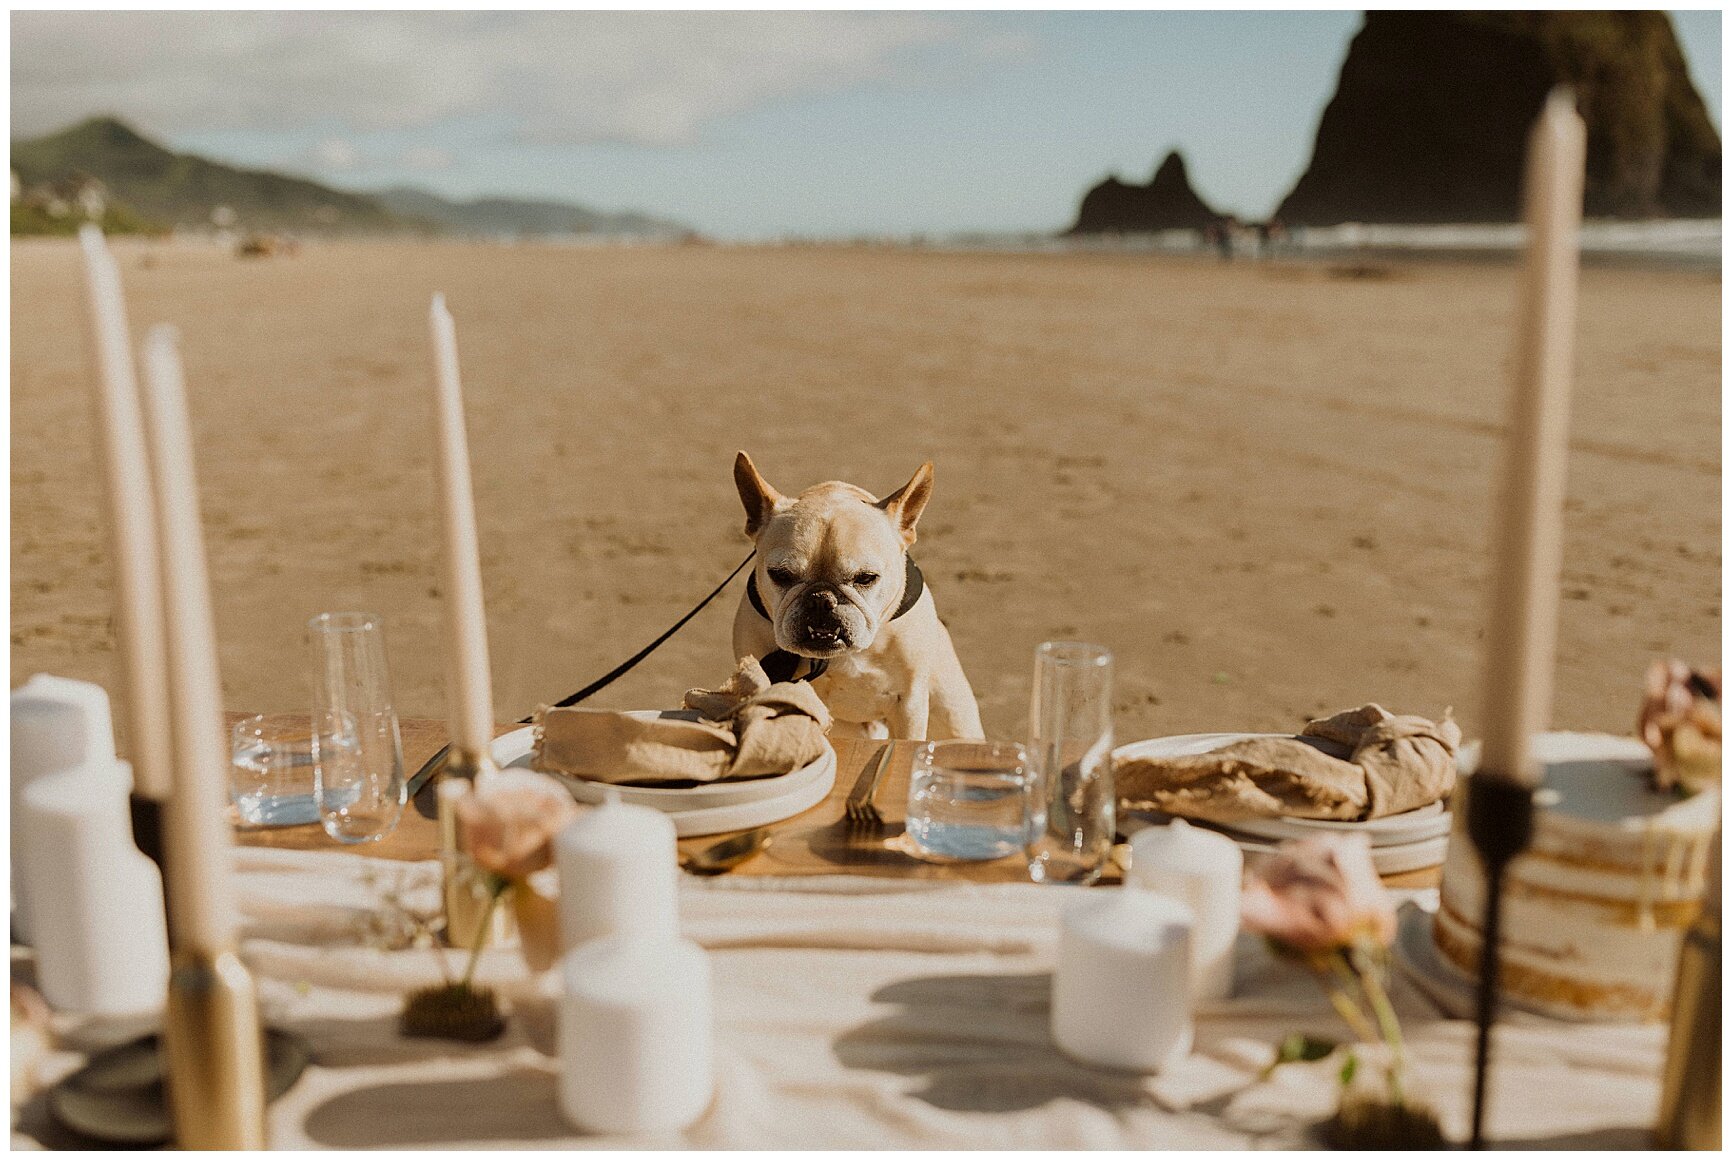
<point x="1430" y="118"/>
<point x="1167" y="203"/>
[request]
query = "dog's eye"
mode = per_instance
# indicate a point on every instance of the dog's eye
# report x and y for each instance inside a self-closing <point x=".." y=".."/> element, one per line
<point x="865" y="580"/>
<point x="781" y="577"/>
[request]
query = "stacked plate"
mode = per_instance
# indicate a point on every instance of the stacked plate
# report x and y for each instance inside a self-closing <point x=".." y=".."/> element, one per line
<point x="702" y="808"/>
<point x="1399" y="842"/>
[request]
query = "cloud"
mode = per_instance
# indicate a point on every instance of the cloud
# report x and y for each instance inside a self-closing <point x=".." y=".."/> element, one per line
<point x="558" y="77"/>
<point x="334" y="155"/>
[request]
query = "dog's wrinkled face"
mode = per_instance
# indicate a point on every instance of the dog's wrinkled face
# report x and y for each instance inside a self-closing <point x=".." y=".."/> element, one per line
<point x="830" y="567"/>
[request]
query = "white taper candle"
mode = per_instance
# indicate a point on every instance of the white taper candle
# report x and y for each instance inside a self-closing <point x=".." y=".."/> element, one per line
<point x="469" y="683"/>
<point x="1521" y="638"/>
<point x="132" y="547"/>
<point x="195" y="824"/>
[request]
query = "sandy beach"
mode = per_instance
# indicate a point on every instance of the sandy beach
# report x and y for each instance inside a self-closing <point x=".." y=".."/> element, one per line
<point x="1266" y="486"/>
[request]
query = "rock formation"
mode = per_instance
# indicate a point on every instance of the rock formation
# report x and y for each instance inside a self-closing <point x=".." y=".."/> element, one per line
<point x="1167" y="203"/>
<point x="1430" y="118"/>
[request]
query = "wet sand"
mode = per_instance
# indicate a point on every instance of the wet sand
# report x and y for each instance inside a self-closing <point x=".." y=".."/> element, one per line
<point x="1267" y="487"/>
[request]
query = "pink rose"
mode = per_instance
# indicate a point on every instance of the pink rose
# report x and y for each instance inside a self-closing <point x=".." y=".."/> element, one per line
<point x="1680" y="722"/>
<point x="1318" y="895"/>
<point x="508" y="824"/>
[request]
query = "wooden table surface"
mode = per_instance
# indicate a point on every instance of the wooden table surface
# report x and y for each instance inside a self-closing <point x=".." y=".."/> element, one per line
<point x="812" y="843"/>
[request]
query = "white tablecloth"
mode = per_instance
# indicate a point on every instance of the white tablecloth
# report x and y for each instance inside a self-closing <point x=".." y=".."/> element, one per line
<point x="866" y="1013"/>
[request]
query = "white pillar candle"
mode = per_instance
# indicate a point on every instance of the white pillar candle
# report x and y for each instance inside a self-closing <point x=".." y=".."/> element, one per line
<point x="1202" y="870"/>
<point x="195" y="824"/>
<point x="618" y="873"/>
<point x="57" y="723"/>
<point x="1121" y="989"/>
<point x="132" y="535"/>
<point x="101" y="936"/>
<point x="636" y="1035"/>
<point x="469" y="680"/>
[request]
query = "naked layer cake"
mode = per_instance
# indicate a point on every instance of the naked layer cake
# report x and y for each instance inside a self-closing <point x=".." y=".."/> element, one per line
<point x="1595" y="911"/>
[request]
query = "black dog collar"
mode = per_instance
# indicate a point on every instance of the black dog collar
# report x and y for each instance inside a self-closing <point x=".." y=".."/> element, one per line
<point x="781" y="665"/>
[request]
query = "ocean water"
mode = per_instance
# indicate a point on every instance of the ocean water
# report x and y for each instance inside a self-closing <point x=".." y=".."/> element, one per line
<point x="1689" y="242"/>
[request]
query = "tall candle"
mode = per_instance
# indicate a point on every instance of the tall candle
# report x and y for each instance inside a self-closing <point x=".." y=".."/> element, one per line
<point x="132" y="548"/>
<point x="1521" y="640"/>
<point x="469" y="682"/>
<point x="195" y="824"/>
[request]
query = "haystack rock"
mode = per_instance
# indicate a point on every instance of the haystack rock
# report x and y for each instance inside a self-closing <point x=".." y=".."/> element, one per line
<point x="1430" y="118"/>
<point x="1167" y="203"/>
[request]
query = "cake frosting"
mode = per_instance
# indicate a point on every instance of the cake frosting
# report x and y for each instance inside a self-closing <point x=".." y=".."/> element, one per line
<point x="1595" y="911"/>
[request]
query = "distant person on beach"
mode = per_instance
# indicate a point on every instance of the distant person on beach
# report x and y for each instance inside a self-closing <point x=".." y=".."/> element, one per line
<point x="1221" y="234"/>
<point x="1270" y="235"/>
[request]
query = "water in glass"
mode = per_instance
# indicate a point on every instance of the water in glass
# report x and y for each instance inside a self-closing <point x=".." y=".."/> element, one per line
<point x="272" y="780"/>
<point x="965" y="800"/>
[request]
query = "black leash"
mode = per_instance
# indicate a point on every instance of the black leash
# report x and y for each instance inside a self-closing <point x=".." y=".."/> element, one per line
<point x="426" y="804"/>
<point x="779" y="665"/>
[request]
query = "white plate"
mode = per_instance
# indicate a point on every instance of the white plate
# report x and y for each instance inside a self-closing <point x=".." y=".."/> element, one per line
<point x="1391" y="860"/>
<point x="760" y="811"/>
<point x="1427" y="823"/>
<point x="517" y="749"/>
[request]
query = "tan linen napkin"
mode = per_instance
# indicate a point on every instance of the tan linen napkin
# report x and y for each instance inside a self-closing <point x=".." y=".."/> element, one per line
<point x="749" y="728"/>
<point x="1359" y="764"/>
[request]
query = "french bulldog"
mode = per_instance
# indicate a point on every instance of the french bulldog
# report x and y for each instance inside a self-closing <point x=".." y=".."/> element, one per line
<point x="834" y="599"/>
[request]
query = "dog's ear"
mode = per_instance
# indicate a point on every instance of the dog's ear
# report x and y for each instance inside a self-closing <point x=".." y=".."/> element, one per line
<point x="756" y="494"/>
<point x="907" y="502"/>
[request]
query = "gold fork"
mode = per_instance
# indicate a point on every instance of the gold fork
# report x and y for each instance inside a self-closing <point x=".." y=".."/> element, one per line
<point x="861" y="814"/>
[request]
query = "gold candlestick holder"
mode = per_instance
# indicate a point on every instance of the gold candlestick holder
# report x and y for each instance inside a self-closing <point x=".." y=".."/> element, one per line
<point x="466" y="891"/>
<point x="214" y="1049"/>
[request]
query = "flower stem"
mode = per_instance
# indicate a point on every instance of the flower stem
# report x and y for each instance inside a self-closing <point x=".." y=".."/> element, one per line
<point x="1345" y="1005"/>
<point x="496" y="888"/>
<point x="1386" y="1020"/>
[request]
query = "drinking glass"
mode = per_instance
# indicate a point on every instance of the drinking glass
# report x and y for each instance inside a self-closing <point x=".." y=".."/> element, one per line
<point x="965" y="800"/>
<point x="1070" y="747"/>
<point x="357" y="751"/>
<point x="271" y="770"/>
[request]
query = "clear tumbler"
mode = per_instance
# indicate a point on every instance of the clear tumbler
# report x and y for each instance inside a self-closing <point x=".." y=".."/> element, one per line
<point x="358" y="752"/>
<point x="1070" y="831"/>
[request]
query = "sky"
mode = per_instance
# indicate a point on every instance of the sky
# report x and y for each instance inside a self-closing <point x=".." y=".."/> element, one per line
<point x="741" y="124"/>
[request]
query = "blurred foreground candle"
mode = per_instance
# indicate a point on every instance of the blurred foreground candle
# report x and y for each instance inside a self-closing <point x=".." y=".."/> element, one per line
<point x="636" y="1035"/>
<point x="1201" y="869"/>
<point x="1521" y="639"/>
<point x="212" y="1039"/>
<point x="618" y="873"/>
<point x="57" y="724"/>
<point x="129" y="492"/>
<point x="1690" y="1088"/>
<point x="102" y="944"/>
<point x="1121" y="990"/>
<point x="469" y="684"/>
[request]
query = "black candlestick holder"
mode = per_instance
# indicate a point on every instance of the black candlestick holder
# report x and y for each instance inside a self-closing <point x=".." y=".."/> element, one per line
<point x="1500" y="821"/>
